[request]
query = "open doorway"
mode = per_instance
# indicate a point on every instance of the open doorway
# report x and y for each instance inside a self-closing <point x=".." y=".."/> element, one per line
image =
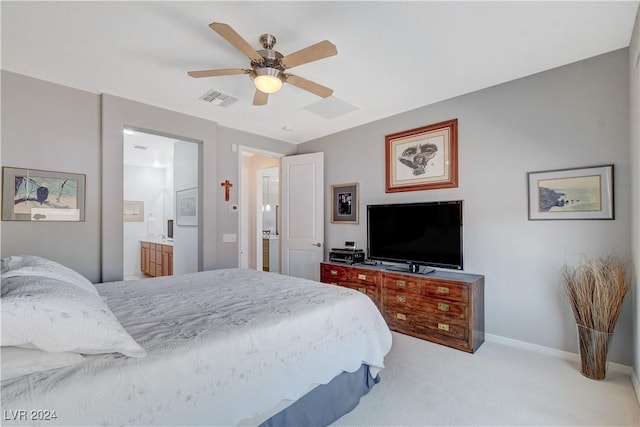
<point x="156" y="170"/>
<point x="259" y="225"/>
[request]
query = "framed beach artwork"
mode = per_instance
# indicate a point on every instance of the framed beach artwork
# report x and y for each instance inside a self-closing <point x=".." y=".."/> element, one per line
<point x="344" y="203"/>
<point x="187" y="207"/>
<point x="424" y="158"/>
<point x="578" y="193"/>
<point x="40" y="195"/>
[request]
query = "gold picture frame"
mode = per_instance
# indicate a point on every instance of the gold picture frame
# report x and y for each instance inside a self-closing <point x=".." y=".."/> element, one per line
<point x="425" y="158"/>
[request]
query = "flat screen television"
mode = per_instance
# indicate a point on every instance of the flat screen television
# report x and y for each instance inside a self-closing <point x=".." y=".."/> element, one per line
<point x="428" y="233"/>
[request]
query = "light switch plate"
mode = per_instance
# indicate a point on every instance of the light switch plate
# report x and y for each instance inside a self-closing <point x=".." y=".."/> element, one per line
<point x="229" y="238"/>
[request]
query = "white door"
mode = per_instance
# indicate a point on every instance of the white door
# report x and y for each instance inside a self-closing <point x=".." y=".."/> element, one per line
<point x="302" y="238"/>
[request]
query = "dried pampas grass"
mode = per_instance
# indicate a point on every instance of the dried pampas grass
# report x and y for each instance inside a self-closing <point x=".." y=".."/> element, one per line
<point x="596" y="289"/>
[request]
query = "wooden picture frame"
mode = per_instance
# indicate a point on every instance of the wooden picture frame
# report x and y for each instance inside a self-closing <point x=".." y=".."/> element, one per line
<point x="42" y="195"/>
<point x="187" y="207"/>
<point x="425" y="158"/>
<point x="577" y="193"/>
<point x="344" y="203"/>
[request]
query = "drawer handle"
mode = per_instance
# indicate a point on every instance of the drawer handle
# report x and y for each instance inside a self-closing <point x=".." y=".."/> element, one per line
<point x="443" y="307"/>
<point x="363" y="290"/>
<point x="400" y="283"/>
<point x="401" y="316"/>
<point x="362" y="276"/>
<point x="334" y="272"/>
<point x="401" y="298"/>
<point x="443" y="327"/>
<point x="442" y="290"/>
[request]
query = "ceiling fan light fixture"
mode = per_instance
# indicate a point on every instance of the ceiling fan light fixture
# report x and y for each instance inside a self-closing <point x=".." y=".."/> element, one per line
<point x="268" y="80"/>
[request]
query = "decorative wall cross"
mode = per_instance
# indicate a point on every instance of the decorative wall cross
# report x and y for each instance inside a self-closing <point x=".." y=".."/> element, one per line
<point x="227" y="185"/>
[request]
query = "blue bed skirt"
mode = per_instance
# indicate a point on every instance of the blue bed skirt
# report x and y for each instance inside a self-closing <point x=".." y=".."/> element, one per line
<point x="326" y="403"/>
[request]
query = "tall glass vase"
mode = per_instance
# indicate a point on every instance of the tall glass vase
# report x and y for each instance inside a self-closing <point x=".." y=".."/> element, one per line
<point x="594" y="346"/>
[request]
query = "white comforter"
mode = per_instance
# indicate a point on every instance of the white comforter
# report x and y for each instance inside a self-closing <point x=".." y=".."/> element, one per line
<point x="222" y="346"/>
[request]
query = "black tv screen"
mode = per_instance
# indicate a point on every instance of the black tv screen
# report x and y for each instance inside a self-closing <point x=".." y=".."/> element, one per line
<point x="428" y="233"/>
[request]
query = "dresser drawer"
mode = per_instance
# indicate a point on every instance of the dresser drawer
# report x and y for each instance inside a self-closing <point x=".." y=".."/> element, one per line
<point x="370" y="290"/>
<point x="402" y="283"/>
<point x="332" y="273"/>
<point x="362" y="277"/>
<point x="441" y="308"/>
<point x="445" y="289"/>
<point x="422" y="325"/>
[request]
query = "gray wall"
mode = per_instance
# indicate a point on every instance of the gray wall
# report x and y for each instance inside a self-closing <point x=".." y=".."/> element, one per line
<point x="229" y="168"/>
<point x="634" y="77"/>
<point x="118" y="113"/>
<point x="54" y="127"/>
<point x="573" y="116"/>
<point x="51" y="127"/>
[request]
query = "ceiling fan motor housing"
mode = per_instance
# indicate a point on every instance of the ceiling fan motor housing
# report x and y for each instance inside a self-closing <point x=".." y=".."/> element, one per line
<point x="271" y="59"/>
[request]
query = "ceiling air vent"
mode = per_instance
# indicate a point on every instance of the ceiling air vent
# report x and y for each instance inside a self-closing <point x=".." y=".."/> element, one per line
<point x="218" y="98"/>
<point x="330" y="107"/>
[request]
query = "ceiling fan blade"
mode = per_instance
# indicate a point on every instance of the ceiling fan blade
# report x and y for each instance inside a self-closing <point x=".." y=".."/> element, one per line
<point x="230" y="35"/>
<point x="320" y="50"/>
<point x="308" y="85"/>
<point x="214" y="73"/>
<point x="260" y="98"/>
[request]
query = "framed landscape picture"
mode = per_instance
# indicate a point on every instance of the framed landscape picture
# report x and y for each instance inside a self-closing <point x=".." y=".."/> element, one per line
<point x="424" y="158"/>
<point x="40" y="195"/>
<point x="578" y="193"/>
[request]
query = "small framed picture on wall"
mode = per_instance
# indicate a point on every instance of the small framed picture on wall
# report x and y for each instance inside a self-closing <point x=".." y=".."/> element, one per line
<point x="187" y="207"/>
<point x="577" y="193"/>
<point x="344" y="203"/>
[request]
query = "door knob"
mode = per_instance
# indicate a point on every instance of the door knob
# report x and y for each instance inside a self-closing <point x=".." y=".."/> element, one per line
<point x="317" y="244"/>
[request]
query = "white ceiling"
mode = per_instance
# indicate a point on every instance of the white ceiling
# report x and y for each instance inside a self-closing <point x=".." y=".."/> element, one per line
<point x="392" y="56"/>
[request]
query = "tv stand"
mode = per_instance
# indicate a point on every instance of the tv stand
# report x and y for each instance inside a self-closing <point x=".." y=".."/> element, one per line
<point x="443" y="307"/>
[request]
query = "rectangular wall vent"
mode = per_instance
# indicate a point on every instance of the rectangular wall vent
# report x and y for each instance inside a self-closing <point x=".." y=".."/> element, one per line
<point x="331" y="107"/>
<point x="218" y="98"/>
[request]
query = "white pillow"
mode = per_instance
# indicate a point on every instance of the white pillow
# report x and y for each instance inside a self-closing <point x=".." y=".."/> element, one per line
<point x="31" y="265"/>
<point x="56" y="316"/>
<point x="21" y="361"/>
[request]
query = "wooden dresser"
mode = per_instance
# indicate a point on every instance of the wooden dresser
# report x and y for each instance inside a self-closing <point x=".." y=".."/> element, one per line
<point x="365" y="280"/>
<point x="443" y="307"/>
<point x="156" y="259"/>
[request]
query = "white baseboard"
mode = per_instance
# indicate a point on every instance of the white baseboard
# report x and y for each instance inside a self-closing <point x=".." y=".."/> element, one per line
<point x="636" y="385"/>
<point x="560" y="354"/>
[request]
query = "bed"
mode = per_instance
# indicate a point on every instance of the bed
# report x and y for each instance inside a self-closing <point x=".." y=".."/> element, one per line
<point x="221" y="347"/>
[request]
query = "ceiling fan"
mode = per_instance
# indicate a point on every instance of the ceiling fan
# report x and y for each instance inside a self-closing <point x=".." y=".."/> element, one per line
<point x="268" y="66"/>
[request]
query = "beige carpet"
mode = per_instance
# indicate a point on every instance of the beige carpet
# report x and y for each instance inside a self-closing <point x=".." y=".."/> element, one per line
<point x="425" y="384"/>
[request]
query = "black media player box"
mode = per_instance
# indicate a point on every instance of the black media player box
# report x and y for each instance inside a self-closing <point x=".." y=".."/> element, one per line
<point x="347" y="256"/>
